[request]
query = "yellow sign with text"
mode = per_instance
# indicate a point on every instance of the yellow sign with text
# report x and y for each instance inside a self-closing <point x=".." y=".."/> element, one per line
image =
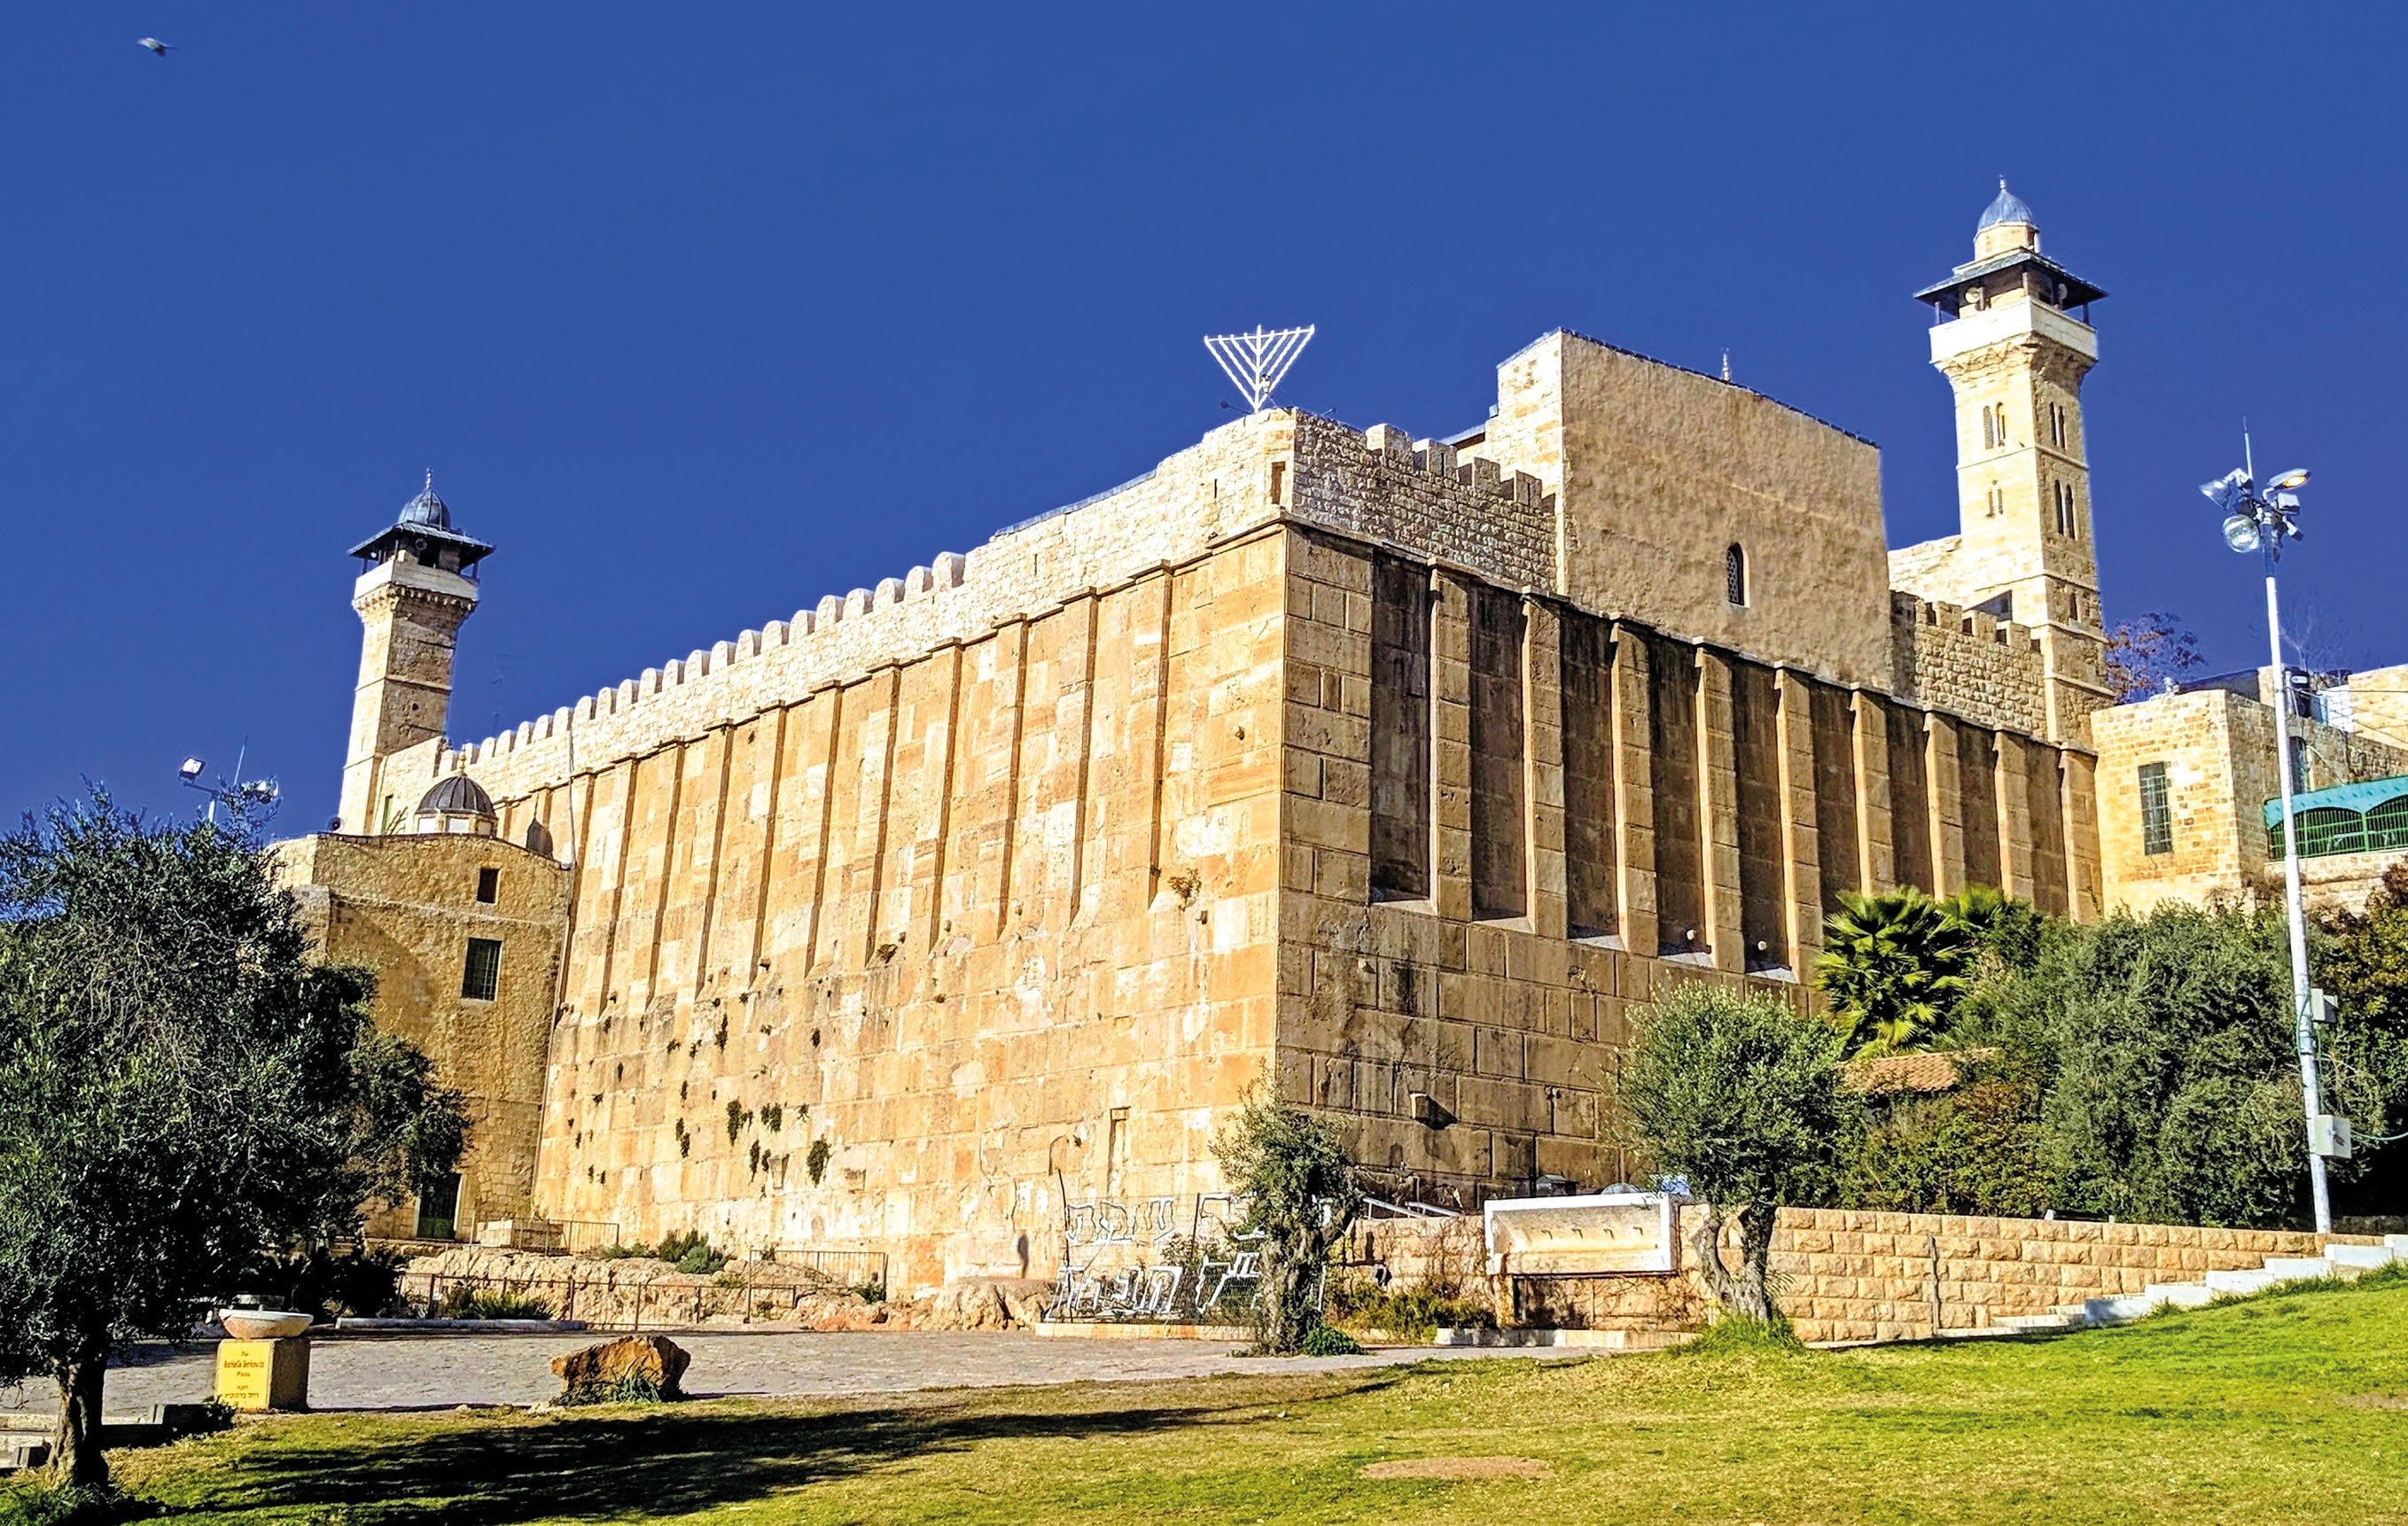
<point x="264" y="1375"/>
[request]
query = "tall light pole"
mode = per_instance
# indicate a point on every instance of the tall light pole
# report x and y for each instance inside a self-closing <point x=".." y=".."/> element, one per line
<point x="2259" y="520"/>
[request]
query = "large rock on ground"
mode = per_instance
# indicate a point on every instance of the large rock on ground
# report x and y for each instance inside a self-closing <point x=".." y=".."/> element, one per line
<point x="600" y="1369"/>
<point x="981" y="1304"/>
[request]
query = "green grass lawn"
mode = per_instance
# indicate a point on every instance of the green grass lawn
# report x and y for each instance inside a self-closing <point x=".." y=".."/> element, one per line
<point x="2290" y="1407"/>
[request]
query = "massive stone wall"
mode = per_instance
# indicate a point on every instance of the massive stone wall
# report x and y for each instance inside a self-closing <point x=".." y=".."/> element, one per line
<point x="1471" y="1052"/>
<point x="901" y="963"/>
<point x="907" y="922"/>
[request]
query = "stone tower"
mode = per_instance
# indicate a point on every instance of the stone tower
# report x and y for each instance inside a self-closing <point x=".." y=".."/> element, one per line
<point x="419" y="583"/>
<point x="2014" y="339"/>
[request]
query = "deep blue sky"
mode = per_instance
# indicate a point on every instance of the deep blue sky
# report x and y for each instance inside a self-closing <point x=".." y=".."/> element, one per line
<point x="701" y="312"/>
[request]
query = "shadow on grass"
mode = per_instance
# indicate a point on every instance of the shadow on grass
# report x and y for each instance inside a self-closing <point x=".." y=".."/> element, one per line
<point x="641" y="1463"/>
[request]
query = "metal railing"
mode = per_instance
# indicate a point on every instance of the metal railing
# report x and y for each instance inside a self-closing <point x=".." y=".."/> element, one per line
<point x="854" y="1269"/>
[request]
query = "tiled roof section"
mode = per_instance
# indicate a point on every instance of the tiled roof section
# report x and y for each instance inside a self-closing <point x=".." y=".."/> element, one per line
<point x="1936" y="1071"/>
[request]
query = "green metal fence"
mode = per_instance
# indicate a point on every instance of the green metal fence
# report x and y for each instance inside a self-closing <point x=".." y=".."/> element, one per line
<point x="2368" y="818"/>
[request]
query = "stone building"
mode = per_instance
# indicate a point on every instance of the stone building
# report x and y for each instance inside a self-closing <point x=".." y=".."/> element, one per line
<point x="1384" y="772"/>
<point x="2189" y="788"/>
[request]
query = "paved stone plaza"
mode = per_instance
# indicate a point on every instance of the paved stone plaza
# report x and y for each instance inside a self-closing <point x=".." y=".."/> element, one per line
<point x="434" y="1372"/>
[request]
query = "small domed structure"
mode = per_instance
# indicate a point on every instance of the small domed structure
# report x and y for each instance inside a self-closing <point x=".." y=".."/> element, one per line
<point x="456" y="803"/>
<point x="2006" y="226"/>
<point x="430" y="511"/>
<point x="2009" y="208"/>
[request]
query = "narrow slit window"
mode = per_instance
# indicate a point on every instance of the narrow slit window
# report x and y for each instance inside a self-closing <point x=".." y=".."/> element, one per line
<point x="489" y="886"/>
<point x="480" y="976"/>
<point x="1735" y="575"/>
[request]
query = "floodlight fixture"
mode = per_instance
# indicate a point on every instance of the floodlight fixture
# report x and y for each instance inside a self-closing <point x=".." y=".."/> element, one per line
<point x="190" y="769"/>
<point x="2296" y="477"/>
<point x="2229" y="492"/>
<point x="2240" y="533"/>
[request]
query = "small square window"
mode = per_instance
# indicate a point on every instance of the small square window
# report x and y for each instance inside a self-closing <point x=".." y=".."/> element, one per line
<point x="482" y="976"/>
<point x="489" y="886"/>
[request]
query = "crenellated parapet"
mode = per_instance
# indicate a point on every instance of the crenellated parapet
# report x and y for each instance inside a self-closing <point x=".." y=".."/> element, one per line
<point x="1969" y="663"/>
<point x="1379" y="485"/>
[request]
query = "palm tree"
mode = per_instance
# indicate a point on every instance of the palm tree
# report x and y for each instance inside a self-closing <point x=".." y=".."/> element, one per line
<point x="1893" y="968"/>
<point x="2007" y="927"/>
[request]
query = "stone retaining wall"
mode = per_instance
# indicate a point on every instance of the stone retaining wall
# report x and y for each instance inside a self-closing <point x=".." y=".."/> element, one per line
<point x="639" y="1292"/>
<point x="1843" y="1275"/>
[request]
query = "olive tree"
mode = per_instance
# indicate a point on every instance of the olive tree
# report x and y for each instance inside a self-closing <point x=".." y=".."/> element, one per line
<point x="1297" y="1179"/>
<point x="182" y="1087"/>
<point x="1739" y="1095"/>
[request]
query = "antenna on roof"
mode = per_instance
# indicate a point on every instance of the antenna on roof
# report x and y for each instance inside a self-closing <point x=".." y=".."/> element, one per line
<point x="1254" y="363"/>
<point x="1726" y="366"/>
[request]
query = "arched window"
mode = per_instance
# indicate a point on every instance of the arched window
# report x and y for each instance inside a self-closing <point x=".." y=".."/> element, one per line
<point x="1735" y="575"/>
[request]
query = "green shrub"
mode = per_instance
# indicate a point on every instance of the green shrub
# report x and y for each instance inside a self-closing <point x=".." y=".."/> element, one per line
<point x="1976" y="1150"/>
<point x="1416" y="1313"/>
<point x="871" y="1291"/>
<point x="1738" y="1335"/>
<point x="689" y="1251"/>
<point x="493" y="1304"/>
<point x="816" y="1160"/>
<point x="2173" y="1097"/>
<point x="208" y="1417"/>
<point x="1328" y="1341"/>
<point x="634" y="1388"/>
<point x="39" y="1503"/>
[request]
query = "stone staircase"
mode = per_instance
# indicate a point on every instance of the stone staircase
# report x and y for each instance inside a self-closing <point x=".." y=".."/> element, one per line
<point x="2341" y="1260"/>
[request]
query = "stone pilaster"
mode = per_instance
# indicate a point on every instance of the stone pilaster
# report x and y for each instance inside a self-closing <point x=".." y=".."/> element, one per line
<point x="1718" y="812"/>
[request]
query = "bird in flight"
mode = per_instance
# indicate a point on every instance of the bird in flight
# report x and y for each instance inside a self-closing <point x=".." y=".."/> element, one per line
<point x="157" y="46"/>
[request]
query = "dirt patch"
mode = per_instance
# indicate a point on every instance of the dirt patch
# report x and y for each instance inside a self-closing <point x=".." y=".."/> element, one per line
<point x="2380" y="1399"/>
<point x="1461" y="1467"/>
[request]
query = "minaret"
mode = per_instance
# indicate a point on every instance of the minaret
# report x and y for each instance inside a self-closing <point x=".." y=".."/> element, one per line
<point x="2011" y="345"/>
<point x="419" y="584"/>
